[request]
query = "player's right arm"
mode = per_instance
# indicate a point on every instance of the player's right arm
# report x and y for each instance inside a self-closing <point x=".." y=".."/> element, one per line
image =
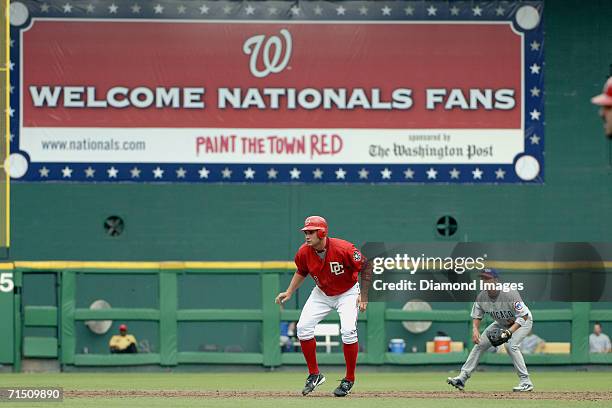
<point x="296" y="282"/>
<point x="476" y="330"/>
<point x="477" y="315"/>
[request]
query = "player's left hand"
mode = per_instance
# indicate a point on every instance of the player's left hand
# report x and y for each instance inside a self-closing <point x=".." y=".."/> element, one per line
<point x="361" y="305"/>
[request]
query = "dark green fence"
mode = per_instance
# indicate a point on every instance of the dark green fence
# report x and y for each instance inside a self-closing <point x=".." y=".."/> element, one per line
<point x="168" y="315"/>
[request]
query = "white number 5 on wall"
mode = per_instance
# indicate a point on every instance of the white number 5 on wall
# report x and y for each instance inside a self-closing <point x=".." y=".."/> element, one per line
<point x="6" y="282"/>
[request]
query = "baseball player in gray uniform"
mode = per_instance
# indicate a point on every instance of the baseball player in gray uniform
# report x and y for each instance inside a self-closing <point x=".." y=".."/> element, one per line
<point x="513" y="322"/>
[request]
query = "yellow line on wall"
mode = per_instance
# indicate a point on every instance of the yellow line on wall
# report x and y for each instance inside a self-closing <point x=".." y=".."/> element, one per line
<point x="539" y="265"/>
<point x="266" y="265"/>
<point x="169" y="265"/>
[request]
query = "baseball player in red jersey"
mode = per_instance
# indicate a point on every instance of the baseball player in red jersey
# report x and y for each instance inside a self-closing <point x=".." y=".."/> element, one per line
<point x="604" y="101"/>
<point x="334" y="264"/>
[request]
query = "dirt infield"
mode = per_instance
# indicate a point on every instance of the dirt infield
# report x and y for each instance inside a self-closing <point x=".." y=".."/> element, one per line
<point x="534" y="395"/>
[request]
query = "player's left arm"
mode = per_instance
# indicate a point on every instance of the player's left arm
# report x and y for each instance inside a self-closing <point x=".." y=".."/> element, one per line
<point x="515" y="326"/>
<point x="521" y="313"/>
<point x="366" y="281"/>
<point x="359" y="262"/>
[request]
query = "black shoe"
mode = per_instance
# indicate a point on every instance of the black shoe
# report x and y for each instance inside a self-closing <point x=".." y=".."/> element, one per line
<point x="456" y="382"/>
<point x="344" y="388"/>
<point x="312" y="382"/>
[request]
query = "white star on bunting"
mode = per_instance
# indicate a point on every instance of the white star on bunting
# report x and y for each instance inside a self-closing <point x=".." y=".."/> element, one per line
<point x="431" y="11"/>
<point x="158" y="172"/>
<point x="158" y="9"/>
<point x="204" y="9"/>
<point x="295" y="10"/>
<point x="341" y="11"/>
<point x="386" y="174"/>
<point x="272" y="173"/>
<point x="181" y="172"/>
<point x="249" y="173"/>
<point x="499" y="11"/>
<point x="454" y="173"/>
<point x="67" y="8"/>
<point x="113" y="8"/>
<point x="295" y="174"/>
<point x="500" y="173"/>
<point x="181" y="9"/>
<point x="204" y="172"/>
<point x="535" y="114"/>
<point x="112" y="172"/>
<point x="454" y="11"/>
<point x="477" y="11"/>
<point x="44" y="8"/>
<point x="409" y="11"/>
<point x="432" y="173"/>
<point x="477" y="173"/>
<point x="386" y="11"/>
<point x="136" y="9"/>
<point x="340" y="174"/>
<point x="67" y="172"/>
<point x="535" y="92"/>
<point x="363" y="11"/>
<point x="535" y="139"/>
<point x="317" y="173"/>
<point x="363" y="173"/>
<point x="226" y="173"/>
<point x="90" y="8"/>
<point x="44" y="172"/>
<point x="135" y="172"/>
<point x="89" y="172"/>
<point x="535" y="68"/>
<point x="249" y="10"/>
<point x="535" y="46"/>
<point x="408" y="173"/>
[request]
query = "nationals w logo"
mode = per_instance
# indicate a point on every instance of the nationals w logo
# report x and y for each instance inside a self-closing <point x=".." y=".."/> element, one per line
<point x="271" y="59"/>
<point x="336" y="268"/>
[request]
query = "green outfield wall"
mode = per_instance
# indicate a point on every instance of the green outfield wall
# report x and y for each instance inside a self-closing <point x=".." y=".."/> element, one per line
<point x="53" y="325"/>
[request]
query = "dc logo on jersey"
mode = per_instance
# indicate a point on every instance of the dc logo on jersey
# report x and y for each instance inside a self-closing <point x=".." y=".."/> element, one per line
<point x="336" y="268"/>
<point x="357" y="256"/>
<point x="518" y="306"/>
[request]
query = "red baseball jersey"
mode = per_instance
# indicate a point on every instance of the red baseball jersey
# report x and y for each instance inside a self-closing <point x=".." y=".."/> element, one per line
<point x="335" y="274"/>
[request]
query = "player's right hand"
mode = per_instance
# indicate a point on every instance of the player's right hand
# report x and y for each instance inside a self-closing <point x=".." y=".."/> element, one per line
<point x="282" y="297"/>
<point x="475" y="336"/>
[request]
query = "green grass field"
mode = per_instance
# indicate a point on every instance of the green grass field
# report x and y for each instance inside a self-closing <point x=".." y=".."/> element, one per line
<point x="271" y="389"/>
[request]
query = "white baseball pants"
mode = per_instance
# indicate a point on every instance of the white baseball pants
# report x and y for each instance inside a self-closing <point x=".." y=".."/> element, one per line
<point x="319" y="305"/>
<point x="512" y="347"/>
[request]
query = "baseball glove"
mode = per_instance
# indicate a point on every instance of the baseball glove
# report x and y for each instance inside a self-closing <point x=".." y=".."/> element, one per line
<point x="498" y="336"/>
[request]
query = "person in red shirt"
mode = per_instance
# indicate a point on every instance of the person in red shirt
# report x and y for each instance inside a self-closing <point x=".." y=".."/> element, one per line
<point x="604" y="101"/>
<point x="334" y="264"/>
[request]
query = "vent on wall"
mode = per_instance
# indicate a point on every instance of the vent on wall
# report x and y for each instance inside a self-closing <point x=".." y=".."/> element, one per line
<point x="114" y="226"/>
<point x="446" y="226"/>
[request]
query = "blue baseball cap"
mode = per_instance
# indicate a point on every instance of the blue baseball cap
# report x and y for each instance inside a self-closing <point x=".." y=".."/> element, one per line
<point x="490" y="273"/>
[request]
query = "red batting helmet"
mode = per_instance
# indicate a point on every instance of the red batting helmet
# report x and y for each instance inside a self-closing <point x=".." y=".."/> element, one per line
<point x="122" y="327"/>
<point x="605" y="98"/>
<point x="316" y="223"/>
